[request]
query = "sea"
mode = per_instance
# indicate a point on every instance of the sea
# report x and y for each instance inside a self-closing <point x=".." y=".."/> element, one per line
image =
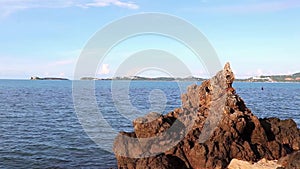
<point x="39" y="127"/>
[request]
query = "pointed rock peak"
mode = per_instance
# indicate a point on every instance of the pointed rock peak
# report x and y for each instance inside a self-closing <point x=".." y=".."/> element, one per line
<point x="222" y="80"/>
<point x="227" y="66"/>
<point x="229" y="75"/>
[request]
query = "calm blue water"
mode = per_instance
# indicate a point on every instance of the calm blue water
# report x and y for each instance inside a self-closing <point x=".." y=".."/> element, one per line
<point x="39" y="127"/>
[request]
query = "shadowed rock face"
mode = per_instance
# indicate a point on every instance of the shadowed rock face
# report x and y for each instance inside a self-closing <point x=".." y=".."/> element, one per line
<point x="212" y="127"/>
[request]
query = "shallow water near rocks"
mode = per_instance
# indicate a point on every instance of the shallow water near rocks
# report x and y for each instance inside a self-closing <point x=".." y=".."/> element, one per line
<point x="39" y="126"/>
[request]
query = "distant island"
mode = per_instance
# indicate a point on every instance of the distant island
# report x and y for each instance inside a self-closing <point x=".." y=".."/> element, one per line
<point x="47" y="78"/>
<point x="272" y="78"/>
<point x="147" y="78"/>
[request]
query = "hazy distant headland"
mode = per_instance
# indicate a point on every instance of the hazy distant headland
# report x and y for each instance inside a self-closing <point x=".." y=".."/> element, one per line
<point x="263" y="78"/>
<point x="147" y="78"/>
<point x="272" y="78"/>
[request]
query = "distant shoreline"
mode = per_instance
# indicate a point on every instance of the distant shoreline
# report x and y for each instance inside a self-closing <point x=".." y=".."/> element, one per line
<point x="269" y="79"/>
<point x="294" y="78"/>
<point x="236" y="81"/>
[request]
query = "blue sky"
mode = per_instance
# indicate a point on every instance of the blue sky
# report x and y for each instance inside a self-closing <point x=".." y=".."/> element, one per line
<point x="45" y="38"/>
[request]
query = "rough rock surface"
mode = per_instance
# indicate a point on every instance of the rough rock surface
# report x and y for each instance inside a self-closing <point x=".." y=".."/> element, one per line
<point x="212" y="127"/>
<point x="291" y="161"/>
<point x="262" y="164"/>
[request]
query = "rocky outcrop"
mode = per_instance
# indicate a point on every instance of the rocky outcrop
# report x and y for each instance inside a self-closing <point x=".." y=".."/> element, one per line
<point x="291" y="161"/>
<point x="212" y="127"/>
<point x="262" y="164"/>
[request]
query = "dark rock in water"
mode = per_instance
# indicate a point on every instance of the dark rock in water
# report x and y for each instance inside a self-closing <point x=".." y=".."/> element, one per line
<point x="212" y="127"/>
<point x="47" y="78"/>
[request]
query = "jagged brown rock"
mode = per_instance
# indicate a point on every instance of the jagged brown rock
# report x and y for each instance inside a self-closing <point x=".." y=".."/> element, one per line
<point x="212" y="127"/>
<point x="291" y="161"/>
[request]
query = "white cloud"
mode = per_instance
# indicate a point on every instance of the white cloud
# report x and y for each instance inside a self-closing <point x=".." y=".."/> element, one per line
<point x="259" y="72"/>
<point x="63" y="62"/>
<point x="103" y="3"/>
<point x="104" y="70"/>
<point x="46" y="74"/>
<point x="61" y="74"/>
<point x="8" y="7"/>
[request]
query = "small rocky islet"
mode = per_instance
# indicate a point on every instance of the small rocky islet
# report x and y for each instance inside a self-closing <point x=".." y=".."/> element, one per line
<point x="213" y="129"/>
<point x="47" y="78"/>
